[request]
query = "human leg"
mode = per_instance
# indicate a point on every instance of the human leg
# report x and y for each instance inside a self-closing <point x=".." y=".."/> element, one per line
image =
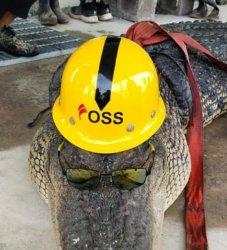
<point x="221" y="2"/>
<point x="103" y="11"/>
<point x="91" y="11"/>
<point x="166" y="7"/>
<point x="50" y="13"/>
<point x="45" y="13"/>
<point x="61" y="16"/>
<point x="86" y="11"/>
<point x="200" y="11"/>
<point x="6" y="19"/>
<point x="215" y="12"/>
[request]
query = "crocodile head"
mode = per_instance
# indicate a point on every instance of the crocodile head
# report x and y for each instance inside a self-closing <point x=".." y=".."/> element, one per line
<point x="107" y="217"/>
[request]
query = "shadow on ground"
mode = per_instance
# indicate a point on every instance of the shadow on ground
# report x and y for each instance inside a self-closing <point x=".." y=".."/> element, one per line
<point x="215" y="188"/>
<point x="24" y="92"/>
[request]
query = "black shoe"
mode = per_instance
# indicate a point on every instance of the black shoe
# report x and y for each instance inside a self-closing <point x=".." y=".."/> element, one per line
<point x="47" y="18"/>
<point x="86" y="11"/>
<point x="214" y="15"/>
<point x="46" y="15"/>
<point x="200" y="12"/>
<point x="103" y="11"/>
<point x="14" y="45"/>
<point x="221" y="2"/>
<point x="62" y="18"/>
<point x="164" y="8"/>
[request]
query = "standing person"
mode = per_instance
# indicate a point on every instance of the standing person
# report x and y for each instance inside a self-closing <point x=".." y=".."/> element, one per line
<point x="91" y="11"/>
<point x="9" y="42"/>
<point x="50" y="13"/>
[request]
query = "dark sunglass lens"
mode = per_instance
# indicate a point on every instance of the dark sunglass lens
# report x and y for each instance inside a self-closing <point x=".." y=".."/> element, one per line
<point x="83" y="178"/>
<point x="129" y="178"/>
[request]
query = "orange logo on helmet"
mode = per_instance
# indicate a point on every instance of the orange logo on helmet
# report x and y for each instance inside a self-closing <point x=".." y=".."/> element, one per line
<point x="82" y="109"/>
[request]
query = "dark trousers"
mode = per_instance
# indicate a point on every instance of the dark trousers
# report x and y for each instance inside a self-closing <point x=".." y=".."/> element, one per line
<point x="19" y="8"/>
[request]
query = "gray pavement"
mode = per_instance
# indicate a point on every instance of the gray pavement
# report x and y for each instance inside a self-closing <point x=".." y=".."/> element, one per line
<point x="24" y="220"/>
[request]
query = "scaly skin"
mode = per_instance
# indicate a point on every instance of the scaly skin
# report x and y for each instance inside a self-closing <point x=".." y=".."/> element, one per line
<point x="108" y="218"/>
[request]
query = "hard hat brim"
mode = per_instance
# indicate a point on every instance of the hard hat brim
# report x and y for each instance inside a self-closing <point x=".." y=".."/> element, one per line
<point x="69" y="132"/>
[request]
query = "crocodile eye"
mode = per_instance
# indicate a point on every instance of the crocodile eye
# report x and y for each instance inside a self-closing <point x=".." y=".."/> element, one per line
<point x="129" y="178"/>
<point x="83" y="178"/>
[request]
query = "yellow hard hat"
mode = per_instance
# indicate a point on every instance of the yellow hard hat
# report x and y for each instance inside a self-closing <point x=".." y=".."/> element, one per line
<point x="109" y="99"/>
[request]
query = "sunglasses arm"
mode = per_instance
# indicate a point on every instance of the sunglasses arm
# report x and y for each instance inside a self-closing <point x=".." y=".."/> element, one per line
<point x="59" y="159"/>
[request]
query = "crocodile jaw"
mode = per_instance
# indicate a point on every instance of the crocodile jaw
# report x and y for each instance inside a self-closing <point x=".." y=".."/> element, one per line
<point x="108" y="218"/>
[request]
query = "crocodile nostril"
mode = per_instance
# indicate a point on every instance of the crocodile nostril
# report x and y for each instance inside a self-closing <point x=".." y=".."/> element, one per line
<point x="106" y="180"/>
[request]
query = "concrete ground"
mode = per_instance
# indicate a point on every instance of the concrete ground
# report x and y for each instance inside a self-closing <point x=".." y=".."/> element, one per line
<point x="24" y="219"/>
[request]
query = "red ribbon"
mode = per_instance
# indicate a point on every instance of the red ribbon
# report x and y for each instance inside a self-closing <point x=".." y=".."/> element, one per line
<point x="148" y="33"/>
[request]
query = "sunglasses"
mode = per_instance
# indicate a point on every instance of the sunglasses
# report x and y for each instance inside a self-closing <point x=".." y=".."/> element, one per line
<point x="83" y="179"/>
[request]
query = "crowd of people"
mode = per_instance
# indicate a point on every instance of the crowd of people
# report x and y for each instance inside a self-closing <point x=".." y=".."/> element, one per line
<point x="90" y="11"/>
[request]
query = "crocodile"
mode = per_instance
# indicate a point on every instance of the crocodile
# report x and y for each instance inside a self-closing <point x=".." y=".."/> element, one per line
<point x="108" y="218"/>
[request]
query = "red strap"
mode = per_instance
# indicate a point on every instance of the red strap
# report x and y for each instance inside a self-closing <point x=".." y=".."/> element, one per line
<point x="147" y="33"/>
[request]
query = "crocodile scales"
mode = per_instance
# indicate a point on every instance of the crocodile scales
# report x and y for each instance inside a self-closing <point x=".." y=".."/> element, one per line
<point x="107" y="218"/>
